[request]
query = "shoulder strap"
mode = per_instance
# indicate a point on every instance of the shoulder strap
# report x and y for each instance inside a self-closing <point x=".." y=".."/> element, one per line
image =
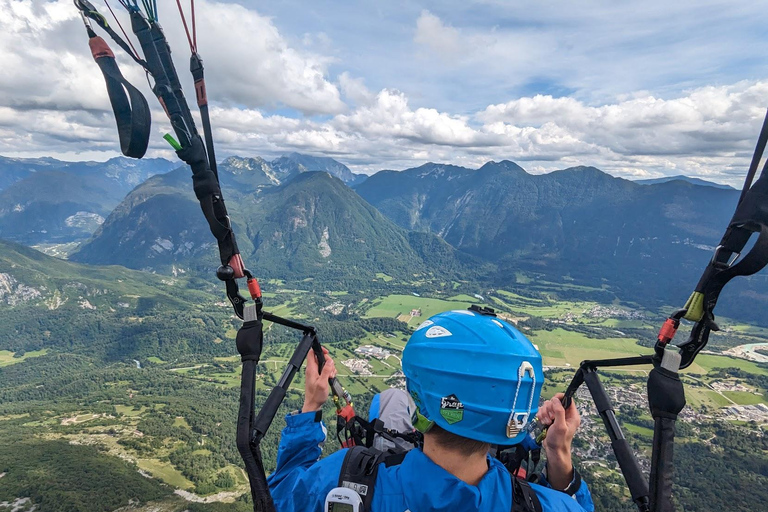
<point x="359" y="471"/>
<point x="524" y="498"/>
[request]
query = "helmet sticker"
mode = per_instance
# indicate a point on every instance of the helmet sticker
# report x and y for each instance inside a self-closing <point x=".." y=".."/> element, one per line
<point x="425" y="323"/>
<point x="438" y="332"/>
<point x="451" y="409"/>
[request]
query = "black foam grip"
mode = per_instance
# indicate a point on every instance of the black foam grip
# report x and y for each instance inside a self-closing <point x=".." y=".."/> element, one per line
<point x="662" y="465"/>
<point x="269" y="410"/>
<point x="250" y="340"/>
<point x="666" y="396"/>
<point x="630" y="468"/>
<point x="602" y="402"/>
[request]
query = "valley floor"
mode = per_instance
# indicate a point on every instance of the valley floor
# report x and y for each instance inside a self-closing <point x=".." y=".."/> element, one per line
<point x="166" y="426"/>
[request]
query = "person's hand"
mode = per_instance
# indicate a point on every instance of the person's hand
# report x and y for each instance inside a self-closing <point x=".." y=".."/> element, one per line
<point x="316" y="383"/>
<point x="562" y="427"/>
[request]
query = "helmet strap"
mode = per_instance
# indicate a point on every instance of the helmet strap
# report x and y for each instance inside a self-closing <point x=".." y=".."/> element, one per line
<point x="421" y="423"/>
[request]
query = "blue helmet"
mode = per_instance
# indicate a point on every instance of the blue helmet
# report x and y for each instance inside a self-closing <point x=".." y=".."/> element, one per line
<point x="474" y="375"/>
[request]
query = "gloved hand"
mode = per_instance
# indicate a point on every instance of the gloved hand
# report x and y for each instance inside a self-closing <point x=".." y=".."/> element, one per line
<point x="562" y="427"/>
<point x="316" y="383"/>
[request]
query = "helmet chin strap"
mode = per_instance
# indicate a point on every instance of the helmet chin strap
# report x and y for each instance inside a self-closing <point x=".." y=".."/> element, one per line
<point x="518" y="420"/>
<point x="420" y="422"/>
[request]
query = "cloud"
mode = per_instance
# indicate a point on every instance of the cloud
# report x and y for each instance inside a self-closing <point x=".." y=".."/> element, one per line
<point x="247" y="60"/>
<point x="442" y="39"/>
<point x="390" y="116"/>
<point x="354" y="89"/>
<point x="275" y="91"/>
<point x="249" y="63"/>
<point x="709" y="121"/>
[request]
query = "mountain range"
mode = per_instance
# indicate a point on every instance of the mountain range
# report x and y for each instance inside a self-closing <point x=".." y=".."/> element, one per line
<point x="45" y="200"/>
<point x="680" y="177"/>
<point x="309" y="226"/>
<point x="579" y="222"/>
<point x="644" y="242"/>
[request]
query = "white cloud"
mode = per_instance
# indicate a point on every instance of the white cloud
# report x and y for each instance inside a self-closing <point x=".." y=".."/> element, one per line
<point x="248" y="62"/>
<point x="270" y="97"/>
<point x="709" y="121"/>
<point x="354" y="90"/>
<point x="442" y="39"/>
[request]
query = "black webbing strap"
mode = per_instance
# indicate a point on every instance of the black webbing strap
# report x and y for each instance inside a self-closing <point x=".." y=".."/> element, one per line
<point x="208" y="192"/>
<point x="757" y="155"/>
<point x="201" y="93"/>
<point x="359" y="471"/>
<point x="751" y="217"/>
<point x="524" y="498"/>
<point x="168" y="90"/>
<point x="250" y="340"/>
<point x="167" y="86"/>
<point x="131" y="110"/>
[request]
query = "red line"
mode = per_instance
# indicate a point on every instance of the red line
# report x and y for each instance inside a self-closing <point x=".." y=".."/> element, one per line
<point x="194" y="27"/>
<point x="184" y="21"/>
<point x="136" y="54"/>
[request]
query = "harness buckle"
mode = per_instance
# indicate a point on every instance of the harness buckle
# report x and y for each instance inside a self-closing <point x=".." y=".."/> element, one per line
<point x="729" y="261"/>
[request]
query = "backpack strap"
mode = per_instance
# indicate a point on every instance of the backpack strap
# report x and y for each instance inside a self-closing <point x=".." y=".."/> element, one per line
<point x="524" y="498"/>
<point x="359" y="471"/>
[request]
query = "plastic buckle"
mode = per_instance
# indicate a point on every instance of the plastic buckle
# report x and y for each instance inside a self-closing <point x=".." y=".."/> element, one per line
<point x="482" y="310"/>
<point x="728" y="262"/>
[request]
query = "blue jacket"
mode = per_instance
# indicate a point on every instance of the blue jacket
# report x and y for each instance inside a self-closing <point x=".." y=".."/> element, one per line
<point x="301" y="481"/>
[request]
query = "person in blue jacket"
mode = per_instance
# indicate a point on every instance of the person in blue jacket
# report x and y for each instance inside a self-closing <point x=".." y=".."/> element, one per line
<point x="475" y="381"/>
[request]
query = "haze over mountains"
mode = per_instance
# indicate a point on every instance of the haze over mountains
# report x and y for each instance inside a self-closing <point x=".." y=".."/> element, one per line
<point x="642" y="242"/>
<point x="45" y="200"/>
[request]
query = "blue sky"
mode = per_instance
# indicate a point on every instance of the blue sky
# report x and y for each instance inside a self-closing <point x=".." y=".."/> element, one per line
<point x="593" y="51"/>
<point x="639" y="89"/>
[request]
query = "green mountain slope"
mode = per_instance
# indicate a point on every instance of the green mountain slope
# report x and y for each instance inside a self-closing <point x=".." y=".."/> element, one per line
<point x="312" y="226"/>
<point x="648" y="242"/>
<point x="107" y="313"/>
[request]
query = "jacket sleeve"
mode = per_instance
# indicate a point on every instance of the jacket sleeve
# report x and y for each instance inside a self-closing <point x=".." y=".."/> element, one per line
<point x="301" y="481"/>
<point x="582" y="496"/>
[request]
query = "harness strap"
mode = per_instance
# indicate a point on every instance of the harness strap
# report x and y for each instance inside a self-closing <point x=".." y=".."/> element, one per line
<point x="524" y="498"/>
<point x="359" y="471"/>
<point x="130" y="107"/>
<point x="250" y="340"/>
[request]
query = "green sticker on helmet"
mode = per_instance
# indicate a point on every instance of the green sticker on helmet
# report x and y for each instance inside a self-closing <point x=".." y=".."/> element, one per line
<point x="451" y="409"/>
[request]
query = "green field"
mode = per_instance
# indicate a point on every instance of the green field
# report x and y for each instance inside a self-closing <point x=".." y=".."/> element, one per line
<point x="639" y="430"/>
<point x="129" y="411"/>
<point x="165" y="472"/>
<point x="567" y="348"/>
<point x="744" y="397"/>
<point x="707" y="362"/>
<point x="393" y="306"/>
<point x="698" y="397"/>
<point x="7" y="359"/>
